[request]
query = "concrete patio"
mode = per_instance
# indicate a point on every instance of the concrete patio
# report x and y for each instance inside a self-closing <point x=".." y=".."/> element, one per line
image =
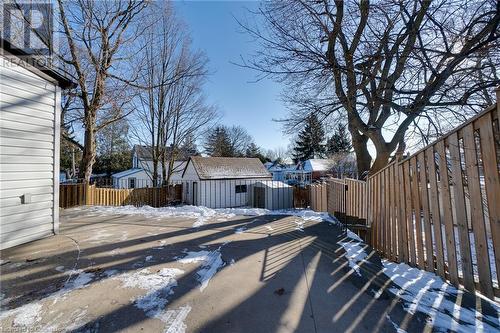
<point x="110" y="273"/>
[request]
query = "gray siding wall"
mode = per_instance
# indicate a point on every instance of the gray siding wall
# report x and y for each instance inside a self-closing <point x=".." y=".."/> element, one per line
<point x="28" y="137"/>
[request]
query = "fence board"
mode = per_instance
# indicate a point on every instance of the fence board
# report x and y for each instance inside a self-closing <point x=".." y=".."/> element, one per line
<point x="415" y="187"/>
<point x="460" y="213"/>
<point x="429" y="251"/>
<point x="435" y="211"/>
<point x="491" y="180"/>
<point x="447" y="212"/>
<point x="477" y="217"/>
<point x="408" y="213"/>
<point x="393" y="212"/>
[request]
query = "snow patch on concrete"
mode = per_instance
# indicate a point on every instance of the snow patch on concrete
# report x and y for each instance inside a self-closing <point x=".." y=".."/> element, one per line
<point x="211" y="263"/>
<point x="240" y="230"/>
<point x="144" y="279"/>
<point x="355" y="254"/>
<point x="203" y="214"/>
<point x="426" y="293"/>
<point x="159" y="286"/>
<point x="396" y="326"/>
<point x="24" y="316"/>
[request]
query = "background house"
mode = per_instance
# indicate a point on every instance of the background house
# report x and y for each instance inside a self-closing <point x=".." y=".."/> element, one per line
<point x="141" y="173"/>
<point x="278" y="170"/>
<point x="220" y="182"/>
<point x="29" y="153"/>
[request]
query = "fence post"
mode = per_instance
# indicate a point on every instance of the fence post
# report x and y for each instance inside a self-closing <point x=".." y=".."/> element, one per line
<point x="88" y="200"/>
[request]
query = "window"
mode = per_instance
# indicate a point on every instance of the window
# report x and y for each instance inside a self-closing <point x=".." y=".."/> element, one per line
<point x="131" y="183"/>
<point x="241" y="189"/>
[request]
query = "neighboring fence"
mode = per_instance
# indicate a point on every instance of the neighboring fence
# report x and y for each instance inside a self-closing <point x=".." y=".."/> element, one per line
<point x="71" y="195"/>
<point x="301" y="197"/>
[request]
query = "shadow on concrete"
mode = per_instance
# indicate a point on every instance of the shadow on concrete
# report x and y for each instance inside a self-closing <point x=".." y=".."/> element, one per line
<point x="309" y="261"/>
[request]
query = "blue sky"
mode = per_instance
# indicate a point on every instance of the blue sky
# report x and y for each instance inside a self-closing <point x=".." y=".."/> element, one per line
<point x="241" y="101"/>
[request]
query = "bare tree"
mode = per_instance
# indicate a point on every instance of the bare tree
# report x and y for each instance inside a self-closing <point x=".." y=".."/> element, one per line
<point x="239" y="140"/>
<point x="98" y="38"/>
<point x="385" y="66"/>
<point x="171" y="107"/>
<point x="280" y="154"/>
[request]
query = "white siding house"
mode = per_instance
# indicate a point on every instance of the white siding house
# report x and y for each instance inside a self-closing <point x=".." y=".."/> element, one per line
<point x="140" y="175"/>
<point x="29" y="149"/>
<point x="221" y="182"/>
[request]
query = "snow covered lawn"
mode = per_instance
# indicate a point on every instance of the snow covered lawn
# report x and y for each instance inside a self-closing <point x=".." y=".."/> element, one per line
<point x="201" y="214"/>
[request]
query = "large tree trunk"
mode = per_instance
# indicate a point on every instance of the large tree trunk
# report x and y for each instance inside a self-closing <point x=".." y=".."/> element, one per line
<point x="363" y="158"/>
<point x="89" y="154"/>
<point x="155" y="172"/>
<point x="382" y="159"/>
<point x="164" y="168"/>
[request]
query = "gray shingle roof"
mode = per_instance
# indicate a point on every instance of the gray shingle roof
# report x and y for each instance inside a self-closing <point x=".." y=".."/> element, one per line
<point x="229" y="167"/>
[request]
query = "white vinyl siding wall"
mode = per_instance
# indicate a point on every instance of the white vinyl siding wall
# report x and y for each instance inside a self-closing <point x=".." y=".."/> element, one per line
<point x="29" y="139"/>
<point x="222" y="193"/>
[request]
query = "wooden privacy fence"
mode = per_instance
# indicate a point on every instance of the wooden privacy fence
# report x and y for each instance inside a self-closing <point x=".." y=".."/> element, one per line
<point x="356" y="194"/>
<point x="439" y="209"/>
<point x="71" y="195"/>
<point x="344" y="198"/>
<point x="301" y="197"/>
<point x="318" y="196"/>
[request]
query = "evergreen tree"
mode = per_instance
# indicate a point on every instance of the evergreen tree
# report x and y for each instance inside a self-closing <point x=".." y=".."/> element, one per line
<point x="254" y="151"/>
<point x="218" y="143"/>
<point x="113" y="150"/>
<point x="310" y="141"/>
<point x="340" y="141"/>
<point x="188" y="146"/>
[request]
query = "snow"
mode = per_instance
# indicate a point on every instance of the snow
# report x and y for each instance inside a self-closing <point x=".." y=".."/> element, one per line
<point x="26" y="315"/>
<point x="159" y="286"/>
<point x="396" y="326"/>
<point x="426" y="293"/>
<point x="30" y="313"/>
<point x="203" y="214"/>
<point x="240" y="230"/>
<point x="355" y="253"/>
<point x="81" y="281"/>
<point x="211" y="263"/>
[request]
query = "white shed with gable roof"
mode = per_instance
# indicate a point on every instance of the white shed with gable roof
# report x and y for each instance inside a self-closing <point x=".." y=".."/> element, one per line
<point x="221" y="182"/>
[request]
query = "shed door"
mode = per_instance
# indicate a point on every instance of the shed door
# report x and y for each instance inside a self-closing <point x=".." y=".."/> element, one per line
<point x="195" y="193"/>
<point x="259" y="197"/>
